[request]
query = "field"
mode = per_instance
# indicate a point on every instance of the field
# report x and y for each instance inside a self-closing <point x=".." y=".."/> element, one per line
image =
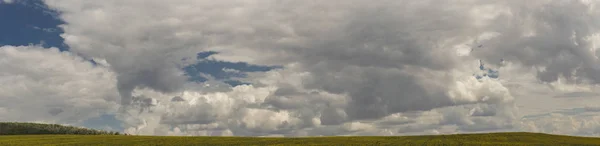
<point x="463" y="139"/>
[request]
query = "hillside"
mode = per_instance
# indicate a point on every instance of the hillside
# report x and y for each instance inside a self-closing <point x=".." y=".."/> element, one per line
<point x="463" y="139"/>
<point x="13" y="128"/>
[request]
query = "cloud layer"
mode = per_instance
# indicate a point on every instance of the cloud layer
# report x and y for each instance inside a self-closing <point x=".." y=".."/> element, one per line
<point x="351" y="67"/>
<point x="45" y="85"/>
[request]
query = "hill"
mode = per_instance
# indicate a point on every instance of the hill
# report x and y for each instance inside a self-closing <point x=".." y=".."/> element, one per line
<point x="461" y="139"/>
<point x="54" y="134"/>
<point x="13" y="128"/>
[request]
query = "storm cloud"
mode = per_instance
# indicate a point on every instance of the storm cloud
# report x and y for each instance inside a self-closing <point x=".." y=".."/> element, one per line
<point x="353" y="67"/>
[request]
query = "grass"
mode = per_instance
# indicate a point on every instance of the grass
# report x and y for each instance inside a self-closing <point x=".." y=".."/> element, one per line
<point x="462" y="139"/>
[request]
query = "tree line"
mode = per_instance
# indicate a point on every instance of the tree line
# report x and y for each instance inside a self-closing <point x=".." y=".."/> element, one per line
<point x="16" y="128"/>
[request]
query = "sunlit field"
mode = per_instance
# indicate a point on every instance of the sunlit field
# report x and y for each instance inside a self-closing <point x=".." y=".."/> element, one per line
<point x="463" y="139"/>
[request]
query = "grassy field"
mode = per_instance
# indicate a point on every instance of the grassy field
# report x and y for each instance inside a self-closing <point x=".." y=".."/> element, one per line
<point x="463" y="139"/>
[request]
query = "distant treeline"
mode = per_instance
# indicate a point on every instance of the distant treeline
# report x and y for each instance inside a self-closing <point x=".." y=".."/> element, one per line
<point x="15" y="128"/>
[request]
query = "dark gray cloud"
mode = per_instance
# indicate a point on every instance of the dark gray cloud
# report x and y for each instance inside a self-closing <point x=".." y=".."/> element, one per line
<point x="554" y="35"/>
<point x="344" y="62"/>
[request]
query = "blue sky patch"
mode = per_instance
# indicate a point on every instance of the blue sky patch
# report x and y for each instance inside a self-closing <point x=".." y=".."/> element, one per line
<point x="488" y="72"/>
<point x="221" y="70"/>
<point x="104" y="122"/>
<point x="30" y="22"/>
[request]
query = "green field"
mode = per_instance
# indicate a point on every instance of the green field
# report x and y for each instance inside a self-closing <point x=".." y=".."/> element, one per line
<point x="463" y="139"/>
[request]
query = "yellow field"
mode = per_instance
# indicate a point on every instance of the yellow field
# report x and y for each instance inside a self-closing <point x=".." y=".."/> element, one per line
<point x="463" y="139"/>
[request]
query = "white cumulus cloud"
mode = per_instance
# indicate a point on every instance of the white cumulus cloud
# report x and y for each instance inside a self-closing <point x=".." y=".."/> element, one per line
<point x="43" y="84"/>
<point x="354" y="67"/>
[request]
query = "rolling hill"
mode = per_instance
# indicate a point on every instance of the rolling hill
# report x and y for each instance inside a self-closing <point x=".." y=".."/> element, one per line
<point x="94" y="137"/>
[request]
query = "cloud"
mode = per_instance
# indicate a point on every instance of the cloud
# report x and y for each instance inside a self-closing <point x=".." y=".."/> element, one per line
<point x="346" y="65"/>
<point x="43" y="84"/>
<point x="544" y="34"/>
<point x="555" y="123"/>
<point x="7" y="1"/>
<point x="592" y="108"/>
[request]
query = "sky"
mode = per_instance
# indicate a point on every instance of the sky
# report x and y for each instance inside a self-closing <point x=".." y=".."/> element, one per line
<point x="302" y="68"/>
